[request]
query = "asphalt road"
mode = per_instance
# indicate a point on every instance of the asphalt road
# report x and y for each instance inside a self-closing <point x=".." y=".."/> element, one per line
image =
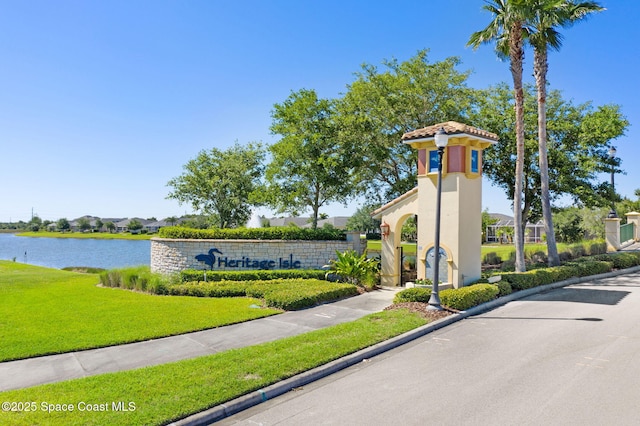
<point x="566" y="357"/>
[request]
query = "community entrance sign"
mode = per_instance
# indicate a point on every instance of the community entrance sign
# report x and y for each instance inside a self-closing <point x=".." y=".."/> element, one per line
<point x="461" y="208"/>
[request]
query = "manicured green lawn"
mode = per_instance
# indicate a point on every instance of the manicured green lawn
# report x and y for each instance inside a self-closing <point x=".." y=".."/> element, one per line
<point x="168" y="392"/>
<point x="507" y="250"/>
<point x="46" y="311"/>
<point x="502" y="250"/>
<point x="407" y="248"/>
<point x="86" y="235"/>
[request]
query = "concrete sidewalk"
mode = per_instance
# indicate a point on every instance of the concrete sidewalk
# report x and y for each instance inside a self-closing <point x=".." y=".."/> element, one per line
<point x="55" y="368"/>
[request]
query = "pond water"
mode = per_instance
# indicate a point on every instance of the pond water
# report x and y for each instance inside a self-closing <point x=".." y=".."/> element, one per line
<point x="63" y="252"/>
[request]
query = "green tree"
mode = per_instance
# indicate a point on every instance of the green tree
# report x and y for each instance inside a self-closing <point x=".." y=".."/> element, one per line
<point x="35" y="224"/>
<point x="592" y="221"/>
<point x="383" y="104"/>
<point x="507" y="31"/>
<point x="172" y="220"/>
<point x="219" y="183"/>
<point x="568" y="225"/>
<point x="63" y="225"/>
<point x="579" y="136"/>
<point x="309" y="169"/>
<point x="134" y="226"/>
<point x="99" y="224"/>
<point x="362" y="220"/>
<point x="543" y="20"/>
<point x="110" y="226"/>
<point x="627" y="205"/>
<point x="84" y="224"/>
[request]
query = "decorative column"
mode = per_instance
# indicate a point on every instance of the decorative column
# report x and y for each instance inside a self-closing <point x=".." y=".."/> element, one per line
<point x="612" y="233"/>
<point x="634" y="217"/>
<point x="461" y="191"/>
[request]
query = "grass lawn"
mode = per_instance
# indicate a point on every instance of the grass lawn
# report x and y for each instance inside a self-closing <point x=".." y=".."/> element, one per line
<point x="46" y="311"/>
<point x="502" y="250"/>
<point x="407" y="248"/>
<point x="168" y="392"/>
<point x="505" y="251"/>
<point x="86" y="235"/>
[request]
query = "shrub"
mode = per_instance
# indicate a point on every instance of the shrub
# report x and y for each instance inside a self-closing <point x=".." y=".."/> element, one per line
<point x="537" y="277"/>
<point x="620" y="260"/>
<point x="565" y="256"/>
<point x="589" y="267"/>
<point x="599" y="247"/>
<point x="535" y="256"/>
<point x="413" y="295"/>
<point x="468" y="297"/>
<point x="200" y="275"/>
<point x="520" y="280"/>
<point x="137" y="278"/>
<point x="278" y="293"/>
<point x="355" y="269"/>
<point x="271" y="233"/>
<point x="504" y="288"/>
<point x="578" y="250"/>
<point x="492" y="258"/>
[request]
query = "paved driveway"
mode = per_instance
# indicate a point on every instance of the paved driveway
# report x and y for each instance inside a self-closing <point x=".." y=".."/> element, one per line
<point x="567" y="357"/>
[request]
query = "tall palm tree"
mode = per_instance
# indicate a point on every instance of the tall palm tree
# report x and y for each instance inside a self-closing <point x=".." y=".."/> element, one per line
<point x="508" y="33"/>
<point x="546" y="16"/>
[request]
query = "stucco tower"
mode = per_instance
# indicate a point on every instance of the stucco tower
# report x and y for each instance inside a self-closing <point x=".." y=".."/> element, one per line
<point x="461" y="207"/>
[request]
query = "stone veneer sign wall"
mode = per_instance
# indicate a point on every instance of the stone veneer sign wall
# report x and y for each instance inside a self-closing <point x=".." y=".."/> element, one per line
<point x="174" y="255"/>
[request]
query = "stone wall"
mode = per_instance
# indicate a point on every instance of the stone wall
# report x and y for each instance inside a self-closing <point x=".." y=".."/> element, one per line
<point x="174" y="255"/>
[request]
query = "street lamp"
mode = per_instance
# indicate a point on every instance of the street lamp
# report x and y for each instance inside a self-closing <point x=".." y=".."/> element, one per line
<point x="441" y="139"/>
<point x="612" y="156"/>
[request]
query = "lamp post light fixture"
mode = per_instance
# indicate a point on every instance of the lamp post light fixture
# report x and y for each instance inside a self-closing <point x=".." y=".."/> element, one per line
<point x="441" y="139"/>
<point x="612" y="157"/>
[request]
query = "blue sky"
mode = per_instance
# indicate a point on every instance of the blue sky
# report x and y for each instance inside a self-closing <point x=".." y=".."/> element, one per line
<point x="103" y="102"/>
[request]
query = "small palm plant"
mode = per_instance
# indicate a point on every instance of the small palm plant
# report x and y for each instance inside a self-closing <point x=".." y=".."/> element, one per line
<point x="354" y="268"/>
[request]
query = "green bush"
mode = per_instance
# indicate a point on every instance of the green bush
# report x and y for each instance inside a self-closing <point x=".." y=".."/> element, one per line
<point x="413" y="295"/>
<point x="537" y="277"/>
<point x="354" y="268"/>
<point x="520" y="280"/>
<point x="620" y="260"/>
<point x="492" y="258"/>
<point x="598" y="247"/>
<point x="468" y="297"/>
<point x="535" y="255"/>
<point x="287" y="294"/>
<point x="504" y="288"/>
<point x="199" y="275"/>
<point x="589" y="267"/>
<point x="271" y="233"/>
<point x="137" y="278"/>
<point x="578" y="250"/>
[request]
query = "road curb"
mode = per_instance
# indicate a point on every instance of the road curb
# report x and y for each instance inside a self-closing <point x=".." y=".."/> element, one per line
<point x="244" y="402"/>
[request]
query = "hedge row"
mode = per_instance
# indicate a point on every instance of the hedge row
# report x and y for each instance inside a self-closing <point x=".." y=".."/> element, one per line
<point x="273" y="233"/>
<point x="291" y="294"/>
<point x="454" y="298"/>
<point x="621" y="260"/>
<point x="538" y="277"/>
<point x="467" y="297"/>
<point x="252" y="275"/>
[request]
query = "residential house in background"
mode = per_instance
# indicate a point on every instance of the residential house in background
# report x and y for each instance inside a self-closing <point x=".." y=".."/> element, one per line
<point x="534" y="232"/>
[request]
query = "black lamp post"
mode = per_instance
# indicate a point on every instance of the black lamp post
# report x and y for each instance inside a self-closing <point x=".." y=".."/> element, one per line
<point x="612" y="156"/>
<point x="441" y="139"/>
